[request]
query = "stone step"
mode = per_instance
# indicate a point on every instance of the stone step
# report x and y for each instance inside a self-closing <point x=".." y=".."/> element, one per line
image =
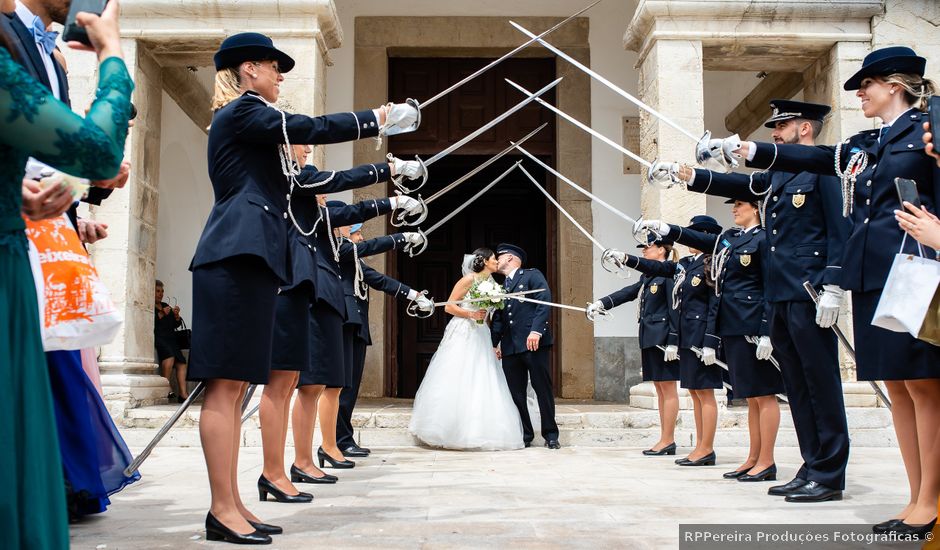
<point x="384" y="423"/>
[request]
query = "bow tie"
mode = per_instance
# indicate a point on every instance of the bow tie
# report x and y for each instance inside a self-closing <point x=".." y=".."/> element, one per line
<point x="45" y="39"/>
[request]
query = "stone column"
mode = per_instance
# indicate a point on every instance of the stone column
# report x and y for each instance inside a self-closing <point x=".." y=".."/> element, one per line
<point x="126" y="260"/>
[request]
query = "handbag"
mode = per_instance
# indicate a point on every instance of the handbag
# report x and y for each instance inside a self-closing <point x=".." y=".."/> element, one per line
<point x="930" y="330"/>
<point x="909" y="291"/>
<point x="184" y="336"/>
<point x="75" y="308"/>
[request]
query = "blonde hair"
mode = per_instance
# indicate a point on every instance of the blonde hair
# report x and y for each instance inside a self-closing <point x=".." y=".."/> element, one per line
<point x="917" y="89"/>
<point x="227" y="87"/>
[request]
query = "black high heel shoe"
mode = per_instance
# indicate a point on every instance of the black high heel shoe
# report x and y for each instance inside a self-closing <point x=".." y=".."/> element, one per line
<point x="917" y="532"/>
<point x="265" y="487"/>
<point x="885" y="526"/>
<point x="735" y="474"/>
<point x="667" y="450"/>
<point x="266" y="528"/>
<point x="707" y="460"/>
<point x="299" y="476"/>
<point x="767" y="474"/>
<point x="216" y="531"/>
<point x="338" y="464"/>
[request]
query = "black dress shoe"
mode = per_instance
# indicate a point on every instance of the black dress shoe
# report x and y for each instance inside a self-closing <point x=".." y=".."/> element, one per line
<point x="527" y="444"/>
<point x="356" y="452"/>
<point x="338" y="464"/>
<point x="216" y="531"/>
<point x="667" y="450"/>
<point x="786" y="488"/>
<point x="707" y="460"/>
<point x="266" y="528"/>
<point x="553" y="444"/>
<point x="299" y="476"/>
<point x="735" y="474"/>
<point x="681" y="460"/>
<point x="767" y="474"/>
<point x="918" y="532"/>
<point x="885" y="526"/>
<point x="265" y="487"/>
<point x="814" y="491"/>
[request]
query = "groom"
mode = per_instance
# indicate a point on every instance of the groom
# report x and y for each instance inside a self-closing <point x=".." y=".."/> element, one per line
<point x="523" y="341"/>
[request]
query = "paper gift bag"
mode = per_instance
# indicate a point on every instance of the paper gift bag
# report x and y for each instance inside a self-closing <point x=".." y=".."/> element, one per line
<point x="905" y="300"/>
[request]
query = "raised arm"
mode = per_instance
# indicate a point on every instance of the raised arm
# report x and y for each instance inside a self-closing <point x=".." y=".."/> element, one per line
<point x="257" y="122"/>
<point x="622" y="296"/>
<point x="698" y="240"/>
<point x="331" y="181"/>
<point x="359" y="212"/>
<point x="384" y="283"/>
<point x="796" y="158"/>
<point x="731" y="186"/>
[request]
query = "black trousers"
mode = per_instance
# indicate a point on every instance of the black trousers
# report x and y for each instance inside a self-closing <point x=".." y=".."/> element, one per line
<point x="809" y="361"/>
<point x="519" y="368"/>
<point x="349" y="395"/>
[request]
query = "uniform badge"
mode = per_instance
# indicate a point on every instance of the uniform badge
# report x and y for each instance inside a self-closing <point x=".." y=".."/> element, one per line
<point x="798" y="200"/>
<point x="745" y="260"/>
<point x="696" y="280"/>
<point x="653" y="289"/>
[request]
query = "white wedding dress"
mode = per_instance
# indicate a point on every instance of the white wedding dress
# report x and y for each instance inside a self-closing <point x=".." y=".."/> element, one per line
<point x="464" y="401"/>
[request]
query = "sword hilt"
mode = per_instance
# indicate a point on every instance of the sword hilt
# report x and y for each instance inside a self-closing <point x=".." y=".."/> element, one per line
<point x="417" y="219"/>
<point x="715" y="159"/>
<point x="395" y="130"/>
<point x="639" y="230"/>
<point x="399" y="180"/>
<point x="662" y="174"/>
<point x="593" y="315"/>
<point x="414" y="311"/>
<point x="414" y="250"/>
<point x="612" y="265"/>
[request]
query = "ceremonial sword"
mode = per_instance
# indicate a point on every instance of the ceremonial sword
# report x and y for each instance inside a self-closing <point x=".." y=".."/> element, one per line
<point x="423" y="164"/>
<point x="716" y="160"/>
<point x="401" y="218"/>
<point x="724" y="365"/>
<point x="410" y="248"/>
<point x="584" y="310"/>
<point x="756" y="340"/>
<point x="848" y="347"/>
<point x="415" y="311"/>
<point x="394" y="130"/>
<point x="657" y="173"/>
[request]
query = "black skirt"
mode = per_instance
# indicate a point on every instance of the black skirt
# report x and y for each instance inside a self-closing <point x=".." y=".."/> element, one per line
<point x="167" y="348"/>
<point x="656" y="368"/>
<point x="233" y="320"/>
<point x="291" y="347"/>
<point x="882" y="354"/>
<point x="330" y="360"/>
<point x="695" y="375"/>
<point x="749" y="376"/>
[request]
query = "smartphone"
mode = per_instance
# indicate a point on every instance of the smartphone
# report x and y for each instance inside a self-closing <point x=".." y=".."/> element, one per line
<point x="907" y="191"/>
<point x="74" y="31"/>
<point x="933" y="114"/>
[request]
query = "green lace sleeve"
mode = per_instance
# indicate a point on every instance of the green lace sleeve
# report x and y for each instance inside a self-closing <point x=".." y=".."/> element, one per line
<point x="32" y="120"/>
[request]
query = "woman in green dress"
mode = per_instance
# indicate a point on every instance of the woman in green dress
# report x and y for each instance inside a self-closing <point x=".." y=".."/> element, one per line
<point x="34" y="124"/>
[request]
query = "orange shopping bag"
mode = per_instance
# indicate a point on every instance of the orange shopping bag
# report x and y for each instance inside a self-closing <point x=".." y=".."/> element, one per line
<point x="74" y="305"/>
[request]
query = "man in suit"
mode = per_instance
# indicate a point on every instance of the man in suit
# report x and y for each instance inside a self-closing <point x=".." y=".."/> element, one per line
<point x="522" y="339"/>
<point x="806" y="234"/>
<point x="34" y="49"/>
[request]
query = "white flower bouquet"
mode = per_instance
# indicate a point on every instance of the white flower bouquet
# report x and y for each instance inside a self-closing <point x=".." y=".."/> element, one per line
<point x="489" y="293"/>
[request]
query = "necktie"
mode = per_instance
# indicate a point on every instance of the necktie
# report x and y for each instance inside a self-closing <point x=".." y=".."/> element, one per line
<point x="508" y="283"/>
<point x="883" y="133"/>
<point x="45" y="39"/>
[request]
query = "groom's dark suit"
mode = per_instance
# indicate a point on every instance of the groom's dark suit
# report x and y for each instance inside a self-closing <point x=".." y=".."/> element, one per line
<point x="510" y="329"/>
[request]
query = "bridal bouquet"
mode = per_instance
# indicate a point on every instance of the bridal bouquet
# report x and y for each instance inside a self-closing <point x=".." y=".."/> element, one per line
<point x="490" y="292"/>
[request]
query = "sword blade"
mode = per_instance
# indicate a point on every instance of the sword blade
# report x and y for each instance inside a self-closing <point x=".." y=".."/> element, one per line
<point x="139" y="459"/>
<point x="584" y="191"/>
<point x="491" y="123"/>
<point x="551" y="304"/>
<point x="479" y="168"/>
<point x="620" y="91"/>
<point x="724" y="365"/>
<point x="496" y="62"/>
<point x="447" y="218"/>
<point x="562" y="210"/>
<point x="583" y="126"/>
<point x="475" y="300"/>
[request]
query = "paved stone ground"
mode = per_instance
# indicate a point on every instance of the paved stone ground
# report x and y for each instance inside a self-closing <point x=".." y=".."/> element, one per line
<point x="408" y="497"/>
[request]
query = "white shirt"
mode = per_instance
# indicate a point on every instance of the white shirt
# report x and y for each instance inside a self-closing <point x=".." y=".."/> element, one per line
<point x="512" y="273"/>
<point x="27" y="17"/>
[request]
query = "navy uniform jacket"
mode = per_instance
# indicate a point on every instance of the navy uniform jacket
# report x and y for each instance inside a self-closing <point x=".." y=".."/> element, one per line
<point x="805" y="230"/>
<point x="656" y="314"/>
<point x="512" y="325"/>
<point x="694" y="302"/>
<point x="357" y="313"/>
<point x="250" y="211"/>
<point x="875" y="236"/>
<point x="742" y="309"/>
<point x="328" y="287"/>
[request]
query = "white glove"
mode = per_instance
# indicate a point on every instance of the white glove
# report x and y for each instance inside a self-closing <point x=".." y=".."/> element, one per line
<point x="594" y="309"/>
<point x="410" y="169"/>
<point x="616" y="255"/>
<point x="708" y="356"/>
<point x="424" y="304"/>
<point x="730" y="145"/>
<point x="764" y="348"/>
<point x="664" y="172"/>
<point x="671" y="353"/>
<point x="410" y="206"/>
<point x="414" y="239"/>
<point x="830" y="303"/>
<point x="401" y="115"/>
<point x="657" y="226"/>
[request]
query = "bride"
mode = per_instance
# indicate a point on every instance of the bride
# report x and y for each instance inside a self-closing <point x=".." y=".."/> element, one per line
<point x="464" y="401"/>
